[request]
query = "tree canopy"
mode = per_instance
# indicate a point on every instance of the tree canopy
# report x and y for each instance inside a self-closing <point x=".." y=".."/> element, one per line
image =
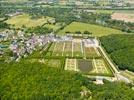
<point x="121" y="50"/>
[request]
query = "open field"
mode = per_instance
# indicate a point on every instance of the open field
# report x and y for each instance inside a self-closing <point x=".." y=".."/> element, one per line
<point x="53" y="26"/>
<point x="104" y="11"/>
<point x="49" y="62"/>
<point x="123" y="16"/>
<point x="94" y="29"/>
<point x="53" y="63"/>
<point x="26" y="20"/>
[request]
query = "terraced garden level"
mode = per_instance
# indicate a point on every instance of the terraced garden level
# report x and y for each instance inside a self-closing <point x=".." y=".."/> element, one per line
<point x="89" y="66"/>
<point x="72" y="49"/>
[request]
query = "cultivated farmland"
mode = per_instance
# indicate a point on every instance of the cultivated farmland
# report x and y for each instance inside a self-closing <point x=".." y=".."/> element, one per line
<point x="96" y="30"/>
<point x="123" y="17"/>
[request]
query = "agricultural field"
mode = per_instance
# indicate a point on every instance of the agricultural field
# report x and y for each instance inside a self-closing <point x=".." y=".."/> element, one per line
<point x="26" y="20"/>
<point x="123" y="17"/>
<point x="96" y="30"/>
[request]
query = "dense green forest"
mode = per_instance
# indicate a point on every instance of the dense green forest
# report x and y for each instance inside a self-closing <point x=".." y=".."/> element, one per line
<point x="32" y="81"/>
<point x="4" y="25"/>
<point x="39" y="29"/>
<point x="121" y="50"/>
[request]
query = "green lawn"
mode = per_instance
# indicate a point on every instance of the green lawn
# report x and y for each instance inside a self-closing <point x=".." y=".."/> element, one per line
<point x="52" y="26"/>
<point x="124" y="11"/>
<point x="95" y="29"/>
<point x="25" y="19"/>
<point x="104" y="11"/>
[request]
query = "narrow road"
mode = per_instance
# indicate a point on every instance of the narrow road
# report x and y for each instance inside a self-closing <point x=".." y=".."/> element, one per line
<point x="116" y="72"/>
<point x="111" y="64"/>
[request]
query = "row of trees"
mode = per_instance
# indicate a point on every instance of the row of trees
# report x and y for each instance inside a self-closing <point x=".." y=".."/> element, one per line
<point x="4" y="25"/>
<point x="105" y="20"/>
<point x="39" y="30"/>
<point x="79" y="32"/>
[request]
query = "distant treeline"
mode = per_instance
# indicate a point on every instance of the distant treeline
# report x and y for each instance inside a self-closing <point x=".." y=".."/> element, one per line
<point x="68" y="15"/>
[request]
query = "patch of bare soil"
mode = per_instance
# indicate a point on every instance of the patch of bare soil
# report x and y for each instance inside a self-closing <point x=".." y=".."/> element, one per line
<point x="123" y="17"/>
